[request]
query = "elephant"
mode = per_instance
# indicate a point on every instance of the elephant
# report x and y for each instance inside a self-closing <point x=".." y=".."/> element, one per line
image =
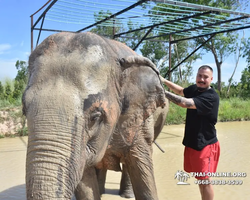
<point x="126" y="189"/>
<point x="83" y="92"/>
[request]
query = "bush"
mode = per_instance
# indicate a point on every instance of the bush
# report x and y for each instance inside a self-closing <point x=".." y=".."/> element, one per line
<point x="233" y="109"/>
<point x="176" y="114"/>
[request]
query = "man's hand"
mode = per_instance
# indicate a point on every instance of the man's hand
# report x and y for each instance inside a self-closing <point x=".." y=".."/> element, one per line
<point x="162" y="79"/>
<point x="172" y="86"/>
<point x="180" y="101"/>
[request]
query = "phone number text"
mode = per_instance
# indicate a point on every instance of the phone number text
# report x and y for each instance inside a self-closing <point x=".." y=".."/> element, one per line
<point x="218" y="182"/>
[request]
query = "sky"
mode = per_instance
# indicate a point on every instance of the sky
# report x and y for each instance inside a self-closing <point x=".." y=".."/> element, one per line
<point x="15" y="40"/>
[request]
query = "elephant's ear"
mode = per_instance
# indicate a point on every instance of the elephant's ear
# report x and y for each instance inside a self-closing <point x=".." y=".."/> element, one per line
<point x="141" y="93"/>
<point x="143" y="79"/>
<point x="137" y="61"/>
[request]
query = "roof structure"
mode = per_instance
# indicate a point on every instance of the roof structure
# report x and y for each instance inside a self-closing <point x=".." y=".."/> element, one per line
<point x="168" y="18"/>
<point x="156" y="17"/>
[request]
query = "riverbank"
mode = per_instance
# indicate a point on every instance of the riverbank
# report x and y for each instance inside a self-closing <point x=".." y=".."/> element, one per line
<point x="13" y="123"/>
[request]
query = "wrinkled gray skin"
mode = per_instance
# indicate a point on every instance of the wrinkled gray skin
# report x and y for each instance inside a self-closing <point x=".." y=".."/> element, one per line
<point x="82" y="90"/>
<point x="116" y="154"/>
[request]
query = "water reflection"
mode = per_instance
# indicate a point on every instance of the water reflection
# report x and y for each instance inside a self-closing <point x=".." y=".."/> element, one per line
<point x="234" y="139"/>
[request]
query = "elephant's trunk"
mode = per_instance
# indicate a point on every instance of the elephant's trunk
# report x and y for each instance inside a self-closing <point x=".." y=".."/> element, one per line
<point x="55" y="155"/>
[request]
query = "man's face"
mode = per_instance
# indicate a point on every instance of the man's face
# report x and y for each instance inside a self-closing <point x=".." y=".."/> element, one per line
<point x="204" y="78"/>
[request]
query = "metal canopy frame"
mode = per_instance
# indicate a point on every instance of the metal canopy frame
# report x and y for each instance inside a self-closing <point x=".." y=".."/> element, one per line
<point x="171" y="18"/>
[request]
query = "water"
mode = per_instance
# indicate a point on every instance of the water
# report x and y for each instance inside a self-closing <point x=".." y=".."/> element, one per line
<point x="234" y="138"/>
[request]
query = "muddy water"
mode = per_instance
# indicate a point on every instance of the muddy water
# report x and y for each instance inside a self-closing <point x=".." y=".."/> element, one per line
<point x="235" y="149"/>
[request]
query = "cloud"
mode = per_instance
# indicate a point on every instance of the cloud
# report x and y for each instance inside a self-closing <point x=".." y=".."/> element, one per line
<point x="8" y="69"/>
<point x="27" y="53"/>
<point x="4" y="48"/>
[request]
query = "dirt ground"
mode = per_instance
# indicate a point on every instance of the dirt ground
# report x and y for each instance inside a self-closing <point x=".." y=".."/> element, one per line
<point x="12" y="121"/>
<point x="234" y="138"/>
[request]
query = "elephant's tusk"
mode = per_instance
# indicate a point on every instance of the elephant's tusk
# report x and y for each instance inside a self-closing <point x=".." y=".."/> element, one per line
<point x="159" y="147"/>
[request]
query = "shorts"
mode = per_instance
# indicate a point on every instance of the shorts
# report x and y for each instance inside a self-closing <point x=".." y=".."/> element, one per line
<point x="202" y="162"/>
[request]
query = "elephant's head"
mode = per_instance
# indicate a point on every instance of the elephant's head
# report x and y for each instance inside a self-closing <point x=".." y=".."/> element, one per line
<point x="77" y="91"/>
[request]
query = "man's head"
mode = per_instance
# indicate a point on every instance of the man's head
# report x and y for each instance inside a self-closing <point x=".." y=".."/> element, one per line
<point x="204" y="77"/>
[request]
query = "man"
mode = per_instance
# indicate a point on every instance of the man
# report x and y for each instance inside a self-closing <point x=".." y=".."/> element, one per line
<point x="202" y="149"/>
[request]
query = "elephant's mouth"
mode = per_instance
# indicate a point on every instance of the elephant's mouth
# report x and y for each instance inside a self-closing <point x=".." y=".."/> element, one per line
<point x="91" y="154"/>
<point x="90" y="150"/>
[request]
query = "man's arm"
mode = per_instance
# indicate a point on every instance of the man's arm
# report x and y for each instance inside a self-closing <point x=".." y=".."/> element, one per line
<point x="180" y="101"/>
<point x="172" y="86"/>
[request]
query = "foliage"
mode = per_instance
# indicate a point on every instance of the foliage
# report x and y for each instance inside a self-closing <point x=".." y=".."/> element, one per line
<point x="109" y="29"/>
<point x="11" y="90"/>
<point x="1" y="90"/>
<point x="221" y="45"/>
<point x="176" y="115"/>
<point x="245" y="82"/>
<point x="158" y="51"/>
<point x="155" y="51"/>
<point x="233" y="109"/>
<point x="133" y="37"/>
<point x="22" y="71"/>
<point x="245" y="77"/>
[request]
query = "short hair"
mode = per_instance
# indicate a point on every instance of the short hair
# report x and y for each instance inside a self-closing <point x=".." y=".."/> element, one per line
<point x="205" y="67"/>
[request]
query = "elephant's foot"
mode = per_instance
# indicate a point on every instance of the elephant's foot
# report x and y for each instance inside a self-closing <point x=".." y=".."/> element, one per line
<point x="127" y="194"/>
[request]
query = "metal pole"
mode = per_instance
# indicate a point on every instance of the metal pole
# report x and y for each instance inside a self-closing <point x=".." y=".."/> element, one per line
<point x="149" y="31"/>
<point x="114" y="28"/>
<point x="159" y="147"/>
<point x="169" y="60"/>
<point x="31" y="33"/>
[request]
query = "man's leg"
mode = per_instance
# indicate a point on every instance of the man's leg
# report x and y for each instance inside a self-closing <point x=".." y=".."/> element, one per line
<point x="207" y="191"/>
<point x="203" y="161"/>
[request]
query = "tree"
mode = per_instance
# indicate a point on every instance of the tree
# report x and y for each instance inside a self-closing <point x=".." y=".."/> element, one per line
<point x="18" y="89"/>
<point x="22" y="71"/>
<point x="114" y="26"/>
<point x="158" y="51"/>
<point x="221" y="45"/>
<point x="109" y="28"/>
<point x="155" y="51"/>
<point x="238" y="55"/>
<point x="1" y="91"/>
<point x="8" y="92"/>
<point x="21" y="78"/>
<point x="133" y="38"/>
<point x="245" y="82"/>
<point x="245" y="77"/>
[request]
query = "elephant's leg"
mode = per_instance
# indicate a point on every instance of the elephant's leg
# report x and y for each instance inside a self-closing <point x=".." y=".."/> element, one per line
<point x="126" y="189"/>
<point x="140" y="167"/>
<point x="88" y="188"/>
<point x="101" y="176"/>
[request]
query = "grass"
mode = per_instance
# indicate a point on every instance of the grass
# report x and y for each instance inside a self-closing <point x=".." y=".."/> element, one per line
<point x="234" y="110"/>
<point x="176" y="114"/>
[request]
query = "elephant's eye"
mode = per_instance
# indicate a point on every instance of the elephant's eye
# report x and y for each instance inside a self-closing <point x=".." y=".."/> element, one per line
<point x="95" y="115"/>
